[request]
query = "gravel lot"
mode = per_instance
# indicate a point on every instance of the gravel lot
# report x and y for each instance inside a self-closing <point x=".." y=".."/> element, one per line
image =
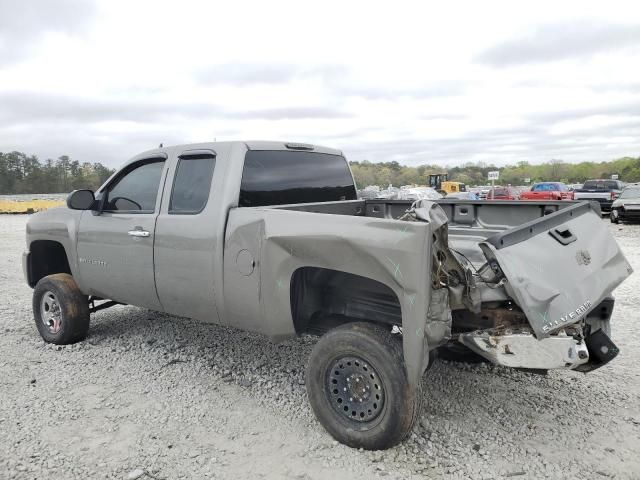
<point x="152" y="396"/>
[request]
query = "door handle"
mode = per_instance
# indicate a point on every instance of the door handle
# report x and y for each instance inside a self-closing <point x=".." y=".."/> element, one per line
<point x="139" y="233"/>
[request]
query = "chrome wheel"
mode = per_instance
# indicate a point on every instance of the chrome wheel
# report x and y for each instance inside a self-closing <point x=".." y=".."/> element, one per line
<point x="50" y="312"/>
<point x="355" y="390"/>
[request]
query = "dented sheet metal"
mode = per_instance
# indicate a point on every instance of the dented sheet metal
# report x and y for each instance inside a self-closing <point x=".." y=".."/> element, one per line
<point x="558" y="269"/>
<point x="555" y="268"/>
<point x="281" y="241"/>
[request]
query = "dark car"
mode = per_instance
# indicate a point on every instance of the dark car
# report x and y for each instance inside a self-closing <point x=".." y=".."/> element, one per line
<point x="627" y="206"/>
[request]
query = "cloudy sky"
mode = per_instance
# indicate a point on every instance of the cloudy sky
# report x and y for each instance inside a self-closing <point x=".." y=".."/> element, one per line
<point x="414" y="82"/>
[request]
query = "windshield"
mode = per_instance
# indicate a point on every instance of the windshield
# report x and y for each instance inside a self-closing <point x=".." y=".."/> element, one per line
<point x="600" y="185"/>
<point x="630" y="193"/>
<point x="545" y="187"/>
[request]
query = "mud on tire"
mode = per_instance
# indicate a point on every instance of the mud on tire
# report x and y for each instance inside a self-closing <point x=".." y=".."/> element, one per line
<point x="358" y="389"/>
<point x="60" y="309"/>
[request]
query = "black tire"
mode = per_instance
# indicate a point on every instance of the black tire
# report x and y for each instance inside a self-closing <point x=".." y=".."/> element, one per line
<point x="371" y="357"/>
<point x="60" y="309"/>
<point x="613" y="218"/>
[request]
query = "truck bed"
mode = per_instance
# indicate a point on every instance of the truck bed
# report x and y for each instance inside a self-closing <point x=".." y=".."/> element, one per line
<point x="470" y="221"/>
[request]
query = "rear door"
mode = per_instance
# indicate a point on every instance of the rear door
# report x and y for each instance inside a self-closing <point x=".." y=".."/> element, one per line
<point x="559" y="267"/>
<point x="187" y="243"/>
<point x="115" y="246"/>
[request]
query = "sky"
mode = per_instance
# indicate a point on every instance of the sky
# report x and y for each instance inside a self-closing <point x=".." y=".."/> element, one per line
<point x="414" y="82"/>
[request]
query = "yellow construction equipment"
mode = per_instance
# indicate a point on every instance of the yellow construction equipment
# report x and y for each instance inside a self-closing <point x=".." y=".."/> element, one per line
<point x="440" y="181"/>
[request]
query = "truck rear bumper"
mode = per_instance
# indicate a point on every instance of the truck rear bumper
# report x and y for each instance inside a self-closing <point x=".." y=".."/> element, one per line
<point x="522" y="350"/>
<point x="605" y="203"/>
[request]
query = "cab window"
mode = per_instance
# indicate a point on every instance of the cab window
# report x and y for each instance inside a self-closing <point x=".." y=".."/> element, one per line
<point x="136" y="190"/>
<point x="282" y="177"/>
<point x="192" y="184"/>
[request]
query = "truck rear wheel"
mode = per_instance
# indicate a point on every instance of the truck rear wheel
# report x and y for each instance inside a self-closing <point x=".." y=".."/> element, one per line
<point x="60" y="309"/>
<point x="358" y="389"/>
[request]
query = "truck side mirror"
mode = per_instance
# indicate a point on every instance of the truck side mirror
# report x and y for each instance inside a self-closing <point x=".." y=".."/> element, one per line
<point x="81" y="200"/>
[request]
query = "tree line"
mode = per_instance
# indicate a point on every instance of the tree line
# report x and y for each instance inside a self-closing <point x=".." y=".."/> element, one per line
<point x="22" y="173"/>
<point x="383" y="174"/>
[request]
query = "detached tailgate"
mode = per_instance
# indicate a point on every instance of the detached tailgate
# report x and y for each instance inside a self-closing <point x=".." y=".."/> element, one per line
<point x="559" y="267"/>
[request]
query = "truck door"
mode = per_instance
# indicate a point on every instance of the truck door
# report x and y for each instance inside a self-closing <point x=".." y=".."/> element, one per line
<point x="187" y="241"/>
<point x="115" y="245"/>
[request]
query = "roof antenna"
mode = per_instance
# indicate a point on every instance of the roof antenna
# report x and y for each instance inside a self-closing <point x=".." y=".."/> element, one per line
<point x="160" y="146"/>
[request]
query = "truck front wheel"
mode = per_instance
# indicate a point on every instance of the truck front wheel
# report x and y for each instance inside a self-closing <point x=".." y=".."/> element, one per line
<point x="60" y="309"/>
<point x="358" y="389"/>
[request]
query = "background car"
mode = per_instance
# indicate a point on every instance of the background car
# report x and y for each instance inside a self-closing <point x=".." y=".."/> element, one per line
<point x="504" y="193"/>
<point x="603" y="191"/>
<point x="463" y="196"/>
<point x="627" y="206"/>
<point x="483" y="191"/>
<point x="418" y="193"/>
<point x="547" y="191"/>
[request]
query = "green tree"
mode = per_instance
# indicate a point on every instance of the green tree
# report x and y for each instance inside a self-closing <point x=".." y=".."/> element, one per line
<point x="20" y="173"/>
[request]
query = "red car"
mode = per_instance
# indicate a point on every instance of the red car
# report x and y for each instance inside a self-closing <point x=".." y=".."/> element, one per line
<point x="548" y="191"/>
<point x="503" y="193"/>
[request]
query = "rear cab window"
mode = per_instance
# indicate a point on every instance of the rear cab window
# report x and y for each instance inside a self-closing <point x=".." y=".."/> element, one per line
<point x="191" y="184"/>
<point x="279" y="177"/>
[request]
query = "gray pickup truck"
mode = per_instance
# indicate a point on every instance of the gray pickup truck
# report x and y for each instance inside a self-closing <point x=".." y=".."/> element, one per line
<point x="605" y="192"/>
<point x="270" y="237"/>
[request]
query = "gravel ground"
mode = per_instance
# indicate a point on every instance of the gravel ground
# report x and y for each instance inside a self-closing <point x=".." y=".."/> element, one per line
<point x="152" y="396"/>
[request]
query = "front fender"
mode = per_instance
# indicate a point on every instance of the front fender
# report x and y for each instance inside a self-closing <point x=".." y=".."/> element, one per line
<point x="58" y="225"/>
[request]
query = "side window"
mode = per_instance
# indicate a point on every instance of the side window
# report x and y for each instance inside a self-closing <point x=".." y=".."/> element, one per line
<point x="137" y="190"/>
<point x="192" y="184"/>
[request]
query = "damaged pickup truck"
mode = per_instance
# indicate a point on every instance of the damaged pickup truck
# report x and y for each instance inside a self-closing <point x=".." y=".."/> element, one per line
<point x="270" y="237"/>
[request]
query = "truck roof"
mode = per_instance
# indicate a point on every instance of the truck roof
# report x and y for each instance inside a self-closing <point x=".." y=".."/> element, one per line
<point x="249" y="144"/>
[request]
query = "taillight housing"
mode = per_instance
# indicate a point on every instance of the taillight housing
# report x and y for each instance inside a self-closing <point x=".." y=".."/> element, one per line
<point x="614" y="195"/>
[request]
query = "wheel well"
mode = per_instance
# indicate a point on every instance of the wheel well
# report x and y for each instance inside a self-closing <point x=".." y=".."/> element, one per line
<point x="47" y="257"/>
<point x="322" y="298"/>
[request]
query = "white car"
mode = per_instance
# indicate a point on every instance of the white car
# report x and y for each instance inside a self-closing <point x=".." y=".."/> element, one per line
<point x="418" y="193"/>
